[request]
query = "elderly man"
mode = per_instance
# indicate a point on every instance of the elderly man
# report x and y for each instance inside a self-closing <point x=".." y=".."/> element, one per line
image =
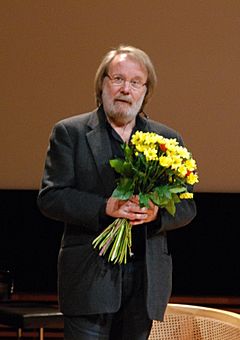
<point x="101" y="300"/>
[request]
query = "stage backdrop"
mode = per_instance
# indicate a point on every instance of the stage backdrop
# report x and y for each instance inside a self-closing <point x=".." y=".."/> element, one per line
<point x="205" y="253"/>
<point x="50" y="51"/>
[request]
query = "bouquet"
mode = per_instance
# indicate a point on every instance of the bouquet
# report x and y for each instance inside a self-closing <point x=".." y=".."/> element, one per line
<point x="156" y="169"/>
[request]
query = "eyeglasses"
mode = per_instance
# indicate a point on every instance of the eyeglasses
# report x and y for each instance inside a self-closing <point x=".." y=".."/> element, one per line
<point x="135" y="84"/>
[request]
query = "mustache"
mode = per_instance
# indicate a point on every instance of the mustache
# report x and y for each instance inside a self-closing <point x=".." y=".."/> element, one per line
<point x="124" y="98"/>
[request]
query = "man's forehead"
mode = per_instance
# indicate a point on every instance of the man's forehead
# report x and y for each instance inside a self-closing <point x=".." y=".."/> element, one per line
<point x="121" y="57"/>
<point x="124" y="60"/>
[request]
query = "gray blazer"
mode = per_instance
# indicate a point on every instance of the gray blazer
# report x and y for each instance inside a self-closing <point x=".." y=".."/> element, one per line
<point x="76" y="182"/>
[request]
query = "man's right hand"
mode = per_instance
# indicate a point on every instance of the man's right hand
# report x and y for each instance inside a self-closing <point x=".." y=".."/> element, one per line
<point x="131" y="210"/>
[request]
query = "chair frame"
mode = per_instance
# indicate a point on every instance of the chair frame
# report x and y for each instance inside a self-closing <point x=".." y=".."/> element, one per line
<point x="214" y="313"/>
<point x="196" y="322"/>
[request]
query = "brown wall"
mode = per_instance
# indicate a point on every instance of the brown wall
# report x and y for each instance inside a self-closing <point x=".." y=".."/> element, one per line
<point x="50" y="52"/>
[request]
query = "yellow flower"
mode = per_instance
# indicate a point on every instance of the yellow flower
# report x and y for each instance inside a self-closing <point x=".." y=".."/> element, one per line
<point x="191" y="164"/>
<point x="171" y="144"/>
<point x="172" y="141"/>
<point x="140" y="147"/>
<point x="160" y="139"/>
<point x="186" y="195"/>
<point x="183" y="152"/>
<point x="137" y="137"/>
<point x="176" y="162"/>
<point x="182" y="170"/>
<point x="150" y="154"/>
<point x="192" y="178"/>
<point x="165" y="161"/>
<point x="151" y="138"/>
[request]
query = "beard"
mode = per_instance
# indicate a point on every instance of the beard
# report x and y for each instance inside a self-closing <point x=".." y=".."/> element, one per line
<point x="121" y="110"/>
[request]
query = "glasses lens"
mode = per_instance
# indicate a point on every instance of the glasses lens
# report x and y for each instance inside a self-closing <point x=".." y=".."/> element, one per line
<point x="119" y="81"/>
<point x="135" y="84"/>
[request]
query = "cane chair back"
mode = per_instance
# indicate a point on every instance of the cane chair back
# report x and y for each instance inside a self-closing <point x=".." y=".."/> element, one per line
<point x="185" y="322"/>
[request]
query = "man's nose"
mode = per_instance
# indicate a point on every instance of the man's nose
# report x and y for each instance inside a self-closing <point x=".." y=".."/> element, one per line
<point x="126" y="87"/>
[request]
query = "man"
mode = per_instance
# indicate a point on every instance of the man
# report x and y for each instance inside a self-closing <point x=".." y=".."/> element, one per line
<point x="101" y="300"/>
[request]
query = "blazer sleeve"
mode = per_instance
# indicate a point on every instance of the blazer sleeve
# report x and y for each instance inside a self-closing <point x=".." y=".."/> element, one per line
<point x="185" y="213"/>
<point x="59" y="197"/>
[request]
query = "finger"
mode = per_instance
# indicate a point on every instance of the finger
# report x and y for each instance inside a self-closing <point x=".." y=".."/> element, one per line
<point x="137" y="216"/>
<point x="134" y="199"/>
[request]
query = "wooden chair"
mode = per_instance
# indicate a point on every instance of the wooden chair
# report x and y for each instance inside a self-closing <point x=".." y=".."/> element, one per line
<point x="25" y="316"/>
<point x="185" y="322"/>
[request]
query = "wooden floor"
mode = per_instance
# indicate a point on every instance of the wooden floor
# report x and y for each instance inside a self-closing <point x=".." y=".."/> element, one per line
<point x="230" y="303"/>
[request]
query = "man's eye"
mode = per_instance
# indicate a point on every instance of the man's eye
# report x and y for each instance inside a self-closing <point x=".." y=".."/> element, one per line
<point x="135" y="82"/>
<point x="118" y="79"/>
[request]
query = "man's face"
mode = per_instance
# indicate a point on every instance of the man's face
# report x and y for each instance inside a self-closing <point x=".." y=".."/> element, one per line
<point x="123" y="102"/>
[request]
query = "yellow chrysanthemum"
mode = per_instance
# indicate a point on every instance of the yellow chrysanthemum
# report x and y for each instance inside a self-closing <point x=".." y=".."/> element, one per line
<point x="174" y="156"/>
<point x="160" y="139"/>
<point x="140" y="147"/>
<point x="165" y="161"/>
<point x="171" y="144"/>
<point x="182" y="170"/>
<point x="191" y="164"/>
<point x="183" y="152"/>
<point x="176" y="162"/>
<point x="151" y="138"/>
<point x="150" y="154"/>
<point x="186" y="195"/>
<point x="192" y="179"/>
<point x="137" y="137"/>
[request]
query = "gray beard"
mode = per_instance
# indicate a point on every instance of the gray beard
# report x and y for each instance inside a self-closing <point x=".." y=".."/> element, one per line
<point x="116" y="111"/>
<point x="120" y="117"/>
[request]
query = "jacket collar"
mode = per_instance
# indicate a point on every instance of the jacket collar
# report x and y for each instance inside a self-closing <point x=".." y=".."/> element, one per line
<point x="100" y="146"/>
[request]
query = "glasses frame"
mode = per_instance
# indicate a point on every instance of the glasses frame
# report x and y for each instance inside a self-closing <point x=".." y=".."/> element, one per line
<point x="123" y="82"/>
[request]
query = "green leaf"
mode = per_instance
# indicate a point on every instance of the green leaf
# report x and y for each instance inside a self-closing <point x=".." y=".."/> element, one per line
<point x="177" y="189"/>
<point x="163" y="191"/>
<point x="117" y="164"/>
<point x="124" y="189"/>
<point x="144" y="199"/>
<point x="128" y="169"/>
<point x="122" y="167"/>
<point x="154" y="197"/>
<point x="128" y="152"/>
<point x="170" y="207"/>
<point x="175" y="198"/>
<point x="122" y="195"/>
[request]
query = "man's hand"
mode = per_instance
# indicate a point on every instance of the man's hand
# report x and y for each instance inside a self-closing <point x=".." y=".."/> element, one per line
<point x="131" y="210"/>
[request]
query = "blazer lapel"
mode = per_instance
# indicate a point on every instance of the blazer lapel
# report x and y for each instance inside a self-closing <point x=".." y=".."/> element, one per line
<point x="100" y="146"/>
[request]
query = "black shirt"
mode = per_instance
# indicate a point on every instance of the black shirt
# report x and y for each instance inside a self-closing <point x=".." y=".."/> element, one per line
<point x="138" y="239"/>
